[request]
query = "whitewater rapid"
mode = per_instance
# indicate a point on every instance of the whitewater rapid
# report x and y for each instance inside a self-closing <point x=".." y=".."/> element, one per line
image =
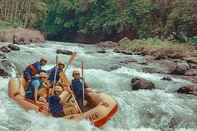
<point x="157" y="110"/>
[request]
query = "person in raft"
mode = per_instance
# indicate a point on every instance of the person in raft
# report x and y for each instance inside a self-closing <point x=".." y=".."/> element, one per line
<point x="45" y="88"/>
<point x="33" y="69"/>
<point x="77" y="88"/>
<point x="52" y="72"/>
<point x="55" y="102"/>
<point x="37" y="82"/>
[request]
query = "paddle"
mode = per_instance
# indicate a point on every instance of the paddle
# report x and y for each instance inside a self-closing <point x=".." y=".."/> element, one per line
<point x="83" y="81"/>
<point x="70" y="61"/>
<point x="55" y="77"/>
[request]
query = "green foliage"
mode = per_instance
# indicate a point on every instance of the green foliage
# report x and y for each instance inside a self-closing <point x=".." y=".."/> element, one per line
<point x="106" y="17"/>
<point x="194" y="40"/>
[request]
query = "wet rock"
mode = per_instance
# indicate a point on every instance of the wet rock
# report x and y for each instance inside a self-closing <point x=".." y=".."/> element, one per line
<point x="114" y="67"/>
<point x="5" y="49"/>
<point x="116" y="50"/>
<point x="13" y="47"/>
<point x="150" y="70"/>
<point x="126" y="52"/>
<point x="193" y="66"/>
<point x="191" y="72"/>
<point x="190" y="89"/>
<point x="191" y="60"/>
<point x="181" y="68"/>
<point x="149" y="58"/>
<point x="128" y="61"/>
<point x="107" y="44"/>
<point x="101" y="51"/>
<point x="140" y="83"/>
<point x="125" y="40"/>
<point x="193" y="79"/>
<point x="176" y="55"/>
<point x="63" y="51"/>
<point x="2" y="56"/>
<point x="167" y="78"/>
<point x="158" y="55"/>
<point x="169" y="66"/>
<point x="3" y="73"/>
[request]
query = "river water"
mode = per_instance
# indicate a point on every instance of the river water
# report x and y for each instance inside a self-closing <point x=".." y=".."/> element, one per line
<point x="158" y="110"/>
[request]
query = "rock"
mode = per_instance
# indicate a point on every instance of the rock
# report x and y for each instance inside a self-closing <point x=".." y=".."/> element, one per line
<point x="191" y="60"/>
<point x="128" y="61"/>
<point x="159" y="56"/>
<point x="125" y="40"/>
<point x="3" y="73"/>
<point x="2" y="56"/>
<point x="181" y="68"/>
<point x="107" y="44"/>
<point x="193" y="66"/>
<point x="21" y="36"/>
<point x="101" y="51"/>
<point x="116" y="50"/>
<point x="63" y="51"/>
<point x="191" y="72"/>
<point x="114" y="67"/>
<point x="150" y="70"/>
<point x="193" y="79"/>
<point x="167" y="78"/>
<point x="190" y="89"/>
<point x="126" y="52"/>
<point x="5" y="49"/>
<point x="13" y="47"/>
<point x="140" y="83"/>
<point x="169" y="66"/>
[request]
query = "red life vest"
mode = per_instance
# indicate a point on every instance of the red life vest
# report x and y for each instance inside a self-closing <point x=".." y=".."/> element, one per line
<point x="33" y="69"/>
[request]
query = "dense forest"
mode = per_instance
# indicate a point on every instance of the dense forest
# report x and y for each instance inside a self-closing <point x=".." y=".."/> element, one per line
<point x="99" y="20"/>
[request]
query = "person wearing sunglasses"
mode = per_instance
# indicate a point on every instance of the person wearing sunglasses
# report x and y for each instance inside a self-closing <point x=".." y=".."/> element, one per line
<point x="77" y="88"/>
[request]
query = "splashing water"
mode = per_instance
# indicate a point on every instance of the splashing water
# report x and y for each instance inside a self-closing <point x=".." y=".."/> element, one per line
<point x="157" y="110"/>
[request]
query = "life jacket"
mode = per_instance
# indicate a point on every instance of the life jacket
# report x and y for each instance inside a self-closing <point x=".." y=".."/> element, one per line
<point x="52" y="74"/>
<point x="77" y="88"/>
<point x="35" y="68"/>
<point x="55" y="107"/>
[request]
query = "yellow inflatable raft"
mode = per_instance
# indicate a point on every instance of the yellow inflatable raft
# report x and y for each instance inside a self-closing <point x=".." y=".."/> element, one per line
<point x="99" y="109"/>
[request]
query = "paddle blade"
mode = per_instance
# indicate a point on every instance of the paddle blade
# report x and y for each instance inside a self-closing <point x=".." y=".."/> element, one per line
<point x="73" y="56"/>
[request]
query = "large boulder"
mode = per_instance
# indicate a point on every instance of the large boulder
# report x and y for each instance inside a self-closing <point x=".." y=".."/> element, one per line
<point x="3" y="73"/>
<point x="13" y="47"/>
<point x="102" y="51"/>
<point x="181" y="68"/>
<point x="21" y="36"/>
<point x="191" y="60"/>
<point x="5" y="49"/>
<point x="191" y="72"/>
<point x="125" y="40"/>
<point x="140" y="83"/>
<point x="63" y="51"/>
<point x="166" y="78"/>
<point x="168" y="66"/>
<point x="190" y="89"/>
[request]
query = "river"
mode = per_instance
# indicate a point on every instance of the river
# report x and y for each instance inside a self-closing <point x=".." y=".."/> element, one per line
<point x="161" y="109"/>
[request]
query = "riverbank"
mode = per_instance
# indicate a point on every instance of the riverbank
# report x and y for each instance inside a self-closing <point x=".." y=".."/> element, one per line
<point x="163" y="57"/>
